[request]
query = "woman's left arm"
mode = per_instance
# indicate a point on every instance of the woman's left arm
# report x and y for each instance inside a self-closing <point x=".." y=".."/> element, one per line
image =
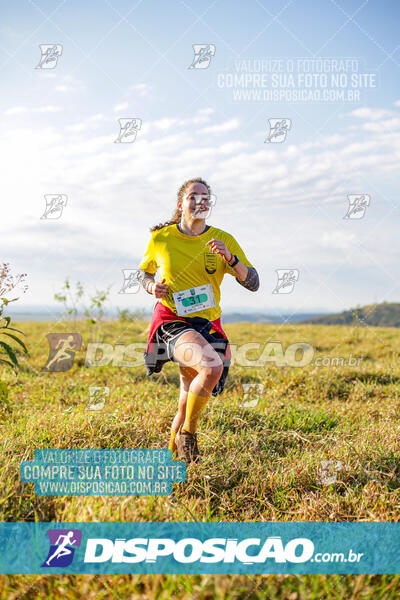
<point x="247" y="276"/>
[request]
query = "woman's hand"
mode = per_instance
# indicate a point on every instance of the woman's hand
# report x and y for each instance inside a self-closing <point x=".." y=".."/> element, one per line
<point x="218" y="247"/>
<point x="159" y="290"/>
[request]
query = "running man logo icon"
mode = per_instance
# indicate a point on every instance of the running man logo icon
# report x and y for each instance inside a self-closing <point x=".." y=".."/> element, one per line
<point x="98" y="395"/>
<point x="50" y="55"/>
<point x="329" y="470"/>
<point x="128" y="128"/>
<point x="204" y="204"/>
<point x="131" y="284"/>
<point x="54" y="205"/>
<point x="62" y="351"/>
<point x="63" y="543"/>
<point x="278" y="129"/>
<point x="252" y="393"/>
<point x="202" y="56"/>
<point x="357" y="205"/>
<point x="286" y="280"/>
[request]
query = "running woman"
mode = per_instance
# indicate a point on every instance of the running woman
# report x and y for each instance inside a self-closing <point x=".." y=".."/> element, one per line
<point x="193" y="258"/>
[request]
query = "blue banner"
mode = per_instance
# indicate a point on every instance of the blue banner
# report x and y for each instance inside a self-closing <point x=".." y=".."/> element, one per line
<point x="199" y="548"/>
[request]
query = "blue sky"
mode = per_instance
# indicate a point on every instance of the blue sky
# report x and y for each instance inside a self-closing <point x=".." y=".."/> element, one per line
<point x="284" y="202"/>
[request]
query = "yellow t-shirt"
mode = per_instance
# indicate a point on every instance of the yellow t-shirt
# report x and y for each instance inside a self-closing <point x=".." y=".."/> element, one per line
<point x="185" y="262"/>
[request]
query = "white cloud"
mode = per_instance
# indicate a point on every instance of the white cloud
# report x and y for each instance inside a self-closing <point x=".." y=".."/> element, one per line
<point x="165" y="124"/>
<point x="115" y="192"/>
<point x="120" y="107"/>
<point x="89" y="123"/>
<point x="387" y="125"/>
<point x="372" y="114"/>
<point x="203" y="115"/>
<point x="15" y="110"/>
<point x="69" y="83"/>
<point x="18" y="110"/>
<point x="49" y="109"/>
<point x="337" y="240"/>
<point x="140" y="89"/>
<point x="225" y="127"/>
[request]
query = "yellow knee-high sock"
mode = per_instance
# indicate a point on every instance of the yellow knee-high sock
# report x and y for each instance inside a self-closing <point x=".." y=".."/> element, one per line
<point x="172" y="444"/>
<point x="194" y="406"/>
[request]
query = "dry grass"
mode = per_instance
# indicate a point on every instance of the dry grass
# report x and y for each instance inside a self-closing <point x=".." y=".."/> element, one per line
<point x="260" y="464"/>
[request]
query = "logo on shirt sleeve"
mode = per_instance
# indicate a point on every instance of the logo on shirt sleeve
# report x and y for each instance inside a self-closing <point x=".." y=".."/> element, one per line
<point x="210" y="262"/>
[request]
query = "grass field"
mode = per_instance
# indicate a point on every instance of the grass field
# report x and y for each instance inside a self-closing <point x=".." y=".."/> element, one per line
<point x="259" y="464"/>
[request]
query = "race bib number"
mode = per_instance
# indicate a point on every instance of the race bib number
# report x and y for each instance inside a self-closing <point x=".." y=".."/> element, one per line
<point x="194" y="299"/>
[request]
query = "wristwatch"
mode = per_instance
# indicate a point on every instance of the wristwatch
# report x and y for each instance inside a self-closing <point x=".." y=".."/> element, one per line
<point x="235" y="262"/>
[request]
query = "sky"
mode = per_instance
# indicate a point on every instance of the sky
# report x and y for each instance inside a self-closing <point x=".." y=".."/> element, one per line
<point x="284" y="198"/>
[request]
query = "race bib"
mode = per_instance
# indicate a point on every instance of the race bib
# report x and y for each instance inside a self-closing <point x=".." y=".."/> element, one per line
<point x="194" y="299"/>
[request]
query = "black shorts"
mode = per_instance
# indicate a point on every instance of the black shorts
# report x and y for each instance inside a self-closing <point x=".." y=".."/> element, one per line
<point x="167" y="334"/>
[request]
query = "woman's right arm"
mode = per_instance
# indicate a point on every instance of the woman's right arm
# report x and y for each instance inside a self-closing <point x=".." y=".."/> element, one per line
<point x="147" y="280"/>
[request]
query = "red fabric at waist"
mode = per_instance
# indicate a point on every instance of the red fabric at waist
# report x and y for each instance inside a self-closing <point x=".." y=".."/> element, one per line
<point x="163" y="314"/>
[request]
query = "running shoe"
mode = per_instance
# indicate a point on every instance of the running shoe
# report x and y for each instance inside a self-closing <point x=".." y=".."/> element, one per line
<point x="187" y="445"/>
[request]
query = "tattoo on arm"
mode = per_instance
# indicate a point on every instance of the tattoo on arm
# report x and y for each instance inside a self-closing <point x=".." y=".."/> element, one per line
<point x="146" y="279"/>
<point x="252" y="281"/>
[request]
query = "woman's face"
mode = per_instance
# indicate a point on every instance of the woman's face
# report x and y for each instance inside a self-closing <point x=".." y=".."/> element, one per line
<point x="193" y="205"/>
